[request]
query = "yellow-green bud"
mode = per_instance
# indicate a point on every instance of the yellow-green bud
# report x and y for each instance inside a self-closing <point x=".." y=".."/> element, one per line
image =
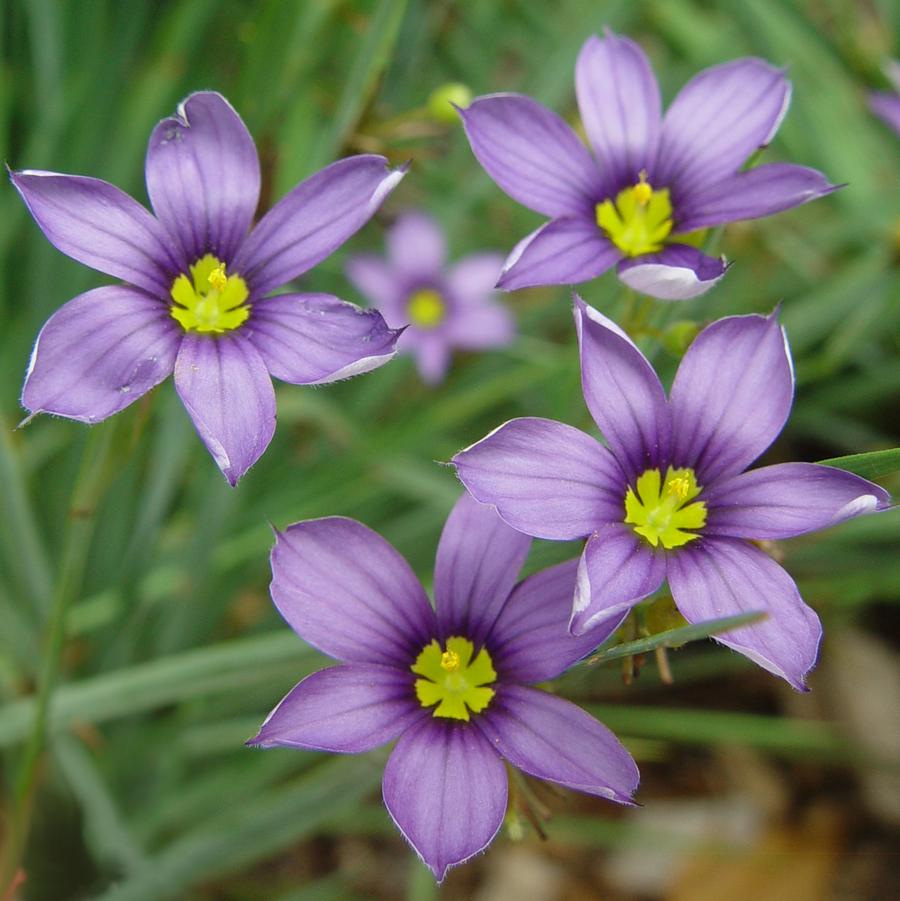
<point x="439" y="103"/>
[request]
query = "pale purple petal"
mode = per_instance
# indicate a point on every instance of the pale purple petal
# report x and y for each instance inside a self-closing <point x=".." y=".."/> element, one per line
<point x="478" y="561"/>
<point x="344" y="710"/>
<point x="314" y="219"/>
<point x="345" y="590"/>
<point x="379" y="284"/>
<point x="545" y="478"/>
<point x="788" y="499"/>
<point x="478" y="328"/>
<point x="432" y="354"/>
<point x="717" y="577"/>
<point x="95" y="223"/>
<point x="416" y="246"/>
<point x="731" y="396"/>
<point x="759" y="192"/>
<point x="719" y="118"/>
<point x="311" y="339"/>
<point x="530" y="640"/>
<point x="473" y="278"/>
<point x="223" y="382"/>
<point x="533" y="155"/>
<point x="99" y="353"/>
<point x="445" y="787"/>
<point x="677" y="272"/>
<point x="553" y="739"/>
<point x="623" y="393"/>
<point x="617" y="569"/>
<point x="887" y="107"/>
<point x="203" y="176"/>
<point x="562" y="252"/>
<point x="620" y="107"/>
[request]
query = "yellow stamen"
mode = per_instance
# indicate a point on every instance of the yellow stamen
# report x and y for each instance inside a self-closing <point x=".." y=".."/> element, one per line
<point x="426" y="308"/>
<point x="450" y="661"/>
<point x="217" y="278"/>
<point x="658" y="511"/>
<point x="454" y="680"/>
<point x="642" y="190"/>
<point x="639" y="220"/>
<point x="210" y="300"/>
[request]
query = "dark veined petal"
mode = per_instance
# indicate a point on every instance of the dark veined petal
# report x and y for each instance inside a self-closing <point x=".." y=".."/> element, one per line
<point x="416" y="246"/>
<point x="314" y="219"/>
<point x="530" y="641"/>
<point x="719" y="118"/>
<point x="345" y="590"/>
<point x="620" y="107"/>
<point x="344" y="709"/>
<point x="95" y="223"/>
<point x="623" y="393"/>
<point x="533" y="154"/>
<point x="789" y="499"/>
<point x="617" y="569"/>
<point x="99" y="353"/>
<point x="203" y="176"/>
<point x="478" y="561"/>
<point x="716" y="577"/>
<point x="562" y="252"/>
<point x="225" y="386"/>
<point x="311" y="339"/>
<point x="677" y="272"/>
<point x="445" y="787"/>
<point x="553" y="739"/>
<point x="759" y="192"/>
<point x="731" y="396"/>
<point x="545" y="478"/>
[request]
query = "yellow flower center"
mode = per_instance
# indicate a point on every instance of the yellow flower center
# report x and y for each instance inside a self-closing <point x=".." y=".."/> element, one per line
<point x="426" y="308"/>
<point x="209" y="301"/>
<point x="639" y="220"/>
<point x="660" y="510"/>
<point x="453" y="680"/>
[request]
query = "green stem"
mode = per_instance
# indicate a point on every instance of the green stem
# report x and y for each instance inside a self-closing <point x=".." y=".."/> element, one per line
<point x="89" y="488"/>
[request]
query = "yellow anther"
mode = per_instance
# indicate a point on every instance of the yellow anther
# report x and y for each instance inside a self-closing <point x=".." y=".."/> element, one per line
<point x="679" y="486"/>
<point x="643" y="191"/>
<point x="450" y="661"/>
<point x="638" y="220"/>
<point x="659" y="510"/>
<point x="217" y="278"/>
<point x="210" y="300"/>
<point x="455" y="680"/>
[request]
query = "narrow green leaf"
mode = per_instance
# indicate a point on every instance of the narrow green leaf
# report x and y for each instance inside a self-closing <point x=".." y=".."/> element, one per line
<point x="871" y="465"/>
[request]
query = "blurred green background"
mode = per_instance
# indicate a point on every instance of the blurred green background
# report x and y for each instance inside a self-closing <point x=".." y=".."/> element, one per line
<point x="174" y="654"/>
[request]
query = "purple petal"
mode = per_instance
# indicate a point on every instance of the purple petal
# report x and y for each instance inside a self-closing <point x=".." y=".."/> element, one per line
<point x="617" y="569"/>
<point x="95" y="223"/>
<point x="677" y="272"/>
<point x="343" y="589"/>
<point x="203" y="176"/>
<point x="478" y="561"/>
<point x="445" y="788"/>
<point x="314" y="219"/>
<point x="533" y="155"/>
<point x="553" y="739"/>
<point x="374" y="278"/>
<point x="619" y="102"/>
<point x="344" y="710"/>
<point x="224" y="384"/>
<point x="472" y="279"/>
<point x="562" y="252"/>
<point x="623" y="393"/>
<point x="788" y="499"/>
<point x="719" y="118"/>
<point x="311" y="339"/>
<point x="416" y="246"/>
<point x="717" y="577"/>
<point x="760" y="192"/>
<point x="530" y="640"/>
<point x="731" y="396"/>
<point x="432" y="354"/>
<point x="887" y="107"/>
<point x="545" y="478"/>
<point x="99" y="353"/>
<point x="479" y="328"/>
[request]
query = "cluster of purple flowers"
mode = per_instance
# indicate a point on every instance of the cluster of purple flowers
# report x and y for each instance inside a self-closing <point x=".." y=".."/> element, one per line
<point x="667" y="498"/>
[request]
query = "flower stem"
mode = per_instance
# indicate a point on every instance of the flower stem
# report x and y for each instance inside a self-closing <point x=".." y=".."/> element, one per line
<point x="90" y="485"/>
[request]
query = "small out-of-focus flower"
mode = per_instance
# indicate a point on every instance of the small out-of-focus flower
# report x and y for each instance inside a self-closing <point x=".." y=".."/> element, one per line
<point x="886" y="104"/>
<point x="450" y="683"/>
<point x="669" y="498"/>
<point x="196" y="278"/>
<point x="445" y="306"/>
<point x="443" y="99"/>
<point x="653" y="184"/>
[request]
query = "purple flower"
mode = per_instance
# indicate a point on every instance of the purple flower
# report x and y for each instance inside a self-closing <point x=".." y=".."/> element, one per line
<point x="653" y="182"/>
<point x="886" y="104"/>
<point x="197" y="276"/>
<point x="445" y="306"/>
<point x="450" y="684"/>
<point x="669" y="498"/>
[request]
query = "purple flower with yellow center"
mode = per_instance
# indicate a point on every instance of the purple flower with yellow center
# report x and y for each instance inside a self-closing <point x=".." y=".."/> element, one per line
<point x="196" y="278"/>
<point x="653" y="184"/>
<point x="669" y="497"/>
<point x="445" y="306"/>
<point x="450" y="683"/>
<point x="886" y="104"/>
